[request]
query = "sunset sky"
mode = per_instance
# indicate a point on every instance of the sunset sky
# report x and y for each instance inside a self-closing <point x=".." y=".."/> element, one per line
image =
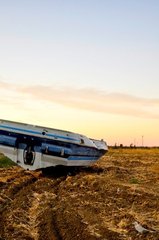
<point x="91" y="67"/>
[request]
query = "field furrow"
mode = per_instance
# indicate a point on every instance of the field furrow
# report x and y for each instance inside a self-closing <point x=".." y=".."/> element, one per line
<point x="98" y="202"/>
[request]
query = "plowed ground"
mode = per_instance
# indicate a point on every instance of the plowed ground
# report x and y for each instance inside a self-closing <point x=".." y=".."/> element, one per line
<point x="98" y="202"/>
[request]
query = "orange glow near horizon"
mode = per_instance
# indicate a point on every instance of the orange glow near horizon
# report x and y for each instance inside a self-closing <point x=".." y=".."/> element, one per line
<point x="64" y="111"/>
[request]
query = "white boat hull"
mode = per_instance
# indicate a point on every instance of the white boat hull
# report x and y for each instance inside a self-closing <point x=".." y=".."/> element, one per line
<point x="35" y="147"/>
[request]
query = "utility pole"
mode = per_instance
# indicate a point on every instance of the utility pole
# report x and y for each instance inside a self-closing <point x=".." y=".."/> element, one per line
<point x="142" y="141"/>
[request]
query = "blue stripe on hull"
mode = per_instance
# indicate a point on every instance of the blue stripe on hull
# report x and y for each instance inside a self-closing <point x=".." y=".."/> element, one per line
<point x="39" y="133"/>
<point x="83" y="158"/>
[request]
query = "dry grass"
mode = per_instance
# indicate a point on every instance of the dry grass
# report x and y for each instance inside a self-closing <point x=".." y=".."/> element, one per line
<point x="99" y="202"/>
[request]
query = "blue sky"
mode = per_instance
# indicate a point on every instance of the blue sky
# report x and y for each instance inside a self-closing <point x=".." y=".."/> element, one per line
<point x="100" y="46"/>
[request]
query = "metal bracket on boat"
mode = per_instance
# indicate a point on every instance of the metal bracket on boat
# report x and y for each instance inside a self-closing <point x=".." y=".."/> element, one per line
<point x="62" y="152"/>
<point x="44" y="132"/>
<point x="46" y="150"/>
<point x="82" y="141"/>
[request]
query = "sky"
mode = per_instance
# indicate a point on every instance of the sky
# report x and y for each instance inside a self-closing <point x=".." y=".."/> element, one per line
<point x="90" y="67"/>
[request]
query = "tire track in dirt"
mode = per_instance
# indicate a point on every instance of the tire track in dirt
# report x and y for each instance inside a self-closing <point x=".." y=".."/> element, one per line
<point x="42" y="217"/>
<point x="29" y="206"/>
<point x="15" y="181"/>
<point x="26" y="203"/>
<point x="12" y="206"/>
<point x="35" y="214"/>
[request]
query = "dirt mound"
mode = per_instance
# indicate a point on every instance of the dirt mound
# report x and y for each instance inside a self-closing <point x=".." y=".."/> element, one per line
<point x="98" y="202"/>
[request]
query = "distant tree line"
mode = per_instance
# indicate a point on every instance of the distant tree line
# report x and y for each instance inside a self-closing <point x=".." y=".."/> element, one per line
<point x="120" y="146"/>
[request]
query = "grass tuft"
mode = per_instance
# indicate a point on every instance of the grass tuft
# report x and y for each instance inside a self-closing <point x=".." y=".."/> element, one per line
<point x="5" y="162"/>
<point x="134" y="181"/>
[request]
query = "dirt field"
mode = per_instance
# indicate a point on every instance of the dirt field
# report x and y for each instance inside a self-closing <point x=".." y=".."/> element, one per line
<point x="100" y="202"/>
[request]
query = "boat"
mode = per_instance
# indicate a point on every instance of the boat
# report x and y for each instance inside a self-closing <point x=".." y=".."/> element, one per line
<point x="35" y="147"/>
